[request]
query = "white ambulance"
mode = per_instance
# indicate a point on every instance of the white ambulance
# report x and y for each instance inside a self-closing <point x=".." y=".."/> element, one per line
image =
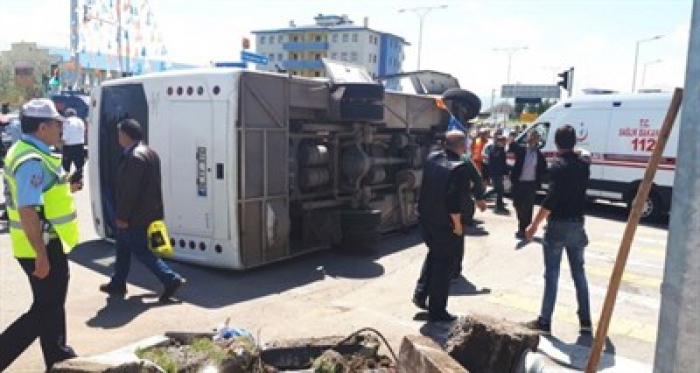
<point x="620" y="132"/>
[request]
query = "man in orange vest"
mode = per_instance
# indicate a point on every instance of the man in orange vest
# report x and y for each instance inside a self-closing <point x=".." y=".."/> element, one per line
<point x="478" y="148"/>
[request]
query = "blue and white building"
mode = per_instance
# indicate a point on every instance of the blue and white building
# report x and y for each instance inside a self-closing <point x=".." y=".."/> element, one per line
<point x="299" y="49"/>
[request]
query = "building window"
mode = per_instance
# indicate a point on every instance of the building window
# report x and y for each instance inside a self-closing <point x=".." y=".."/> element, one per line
<point x="334" y="56"/>
<point x="345" y="38"/>
<point x="271" y="57"/>
<point x="317" y="57"/>
<point x="262" y="40"/>
<point x="354" y="38"/>
<point x="279" y="57"/>
<point x="296" y="38"/>
<point x="318" y="38"/>
<point x="280" y="38"/>
<point x="374" y="58"/>
<point x="369" y="58"/>
<point x="295" y="56"/>
<point x="272" y="39"/>
<point x="335" y="38"/>
<point x="344" y="56"/>
<point x="317" y="73"/>
<point x="370" y="38"/>
<point x="353" y="56"/>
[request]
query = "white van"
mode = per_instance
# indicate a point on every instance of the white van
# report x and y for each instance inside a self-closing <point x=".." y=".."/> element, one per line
<point x="620" y="132"/>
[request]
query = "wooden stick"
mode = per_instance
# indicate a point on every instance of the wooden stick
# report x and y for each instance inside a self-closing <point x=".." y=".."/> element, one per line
<point x="632" y="223"/>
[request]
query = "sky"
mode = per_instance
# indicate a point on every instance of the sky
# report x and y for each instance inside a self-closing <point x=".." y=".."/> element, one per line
<point x="596" y="37"/>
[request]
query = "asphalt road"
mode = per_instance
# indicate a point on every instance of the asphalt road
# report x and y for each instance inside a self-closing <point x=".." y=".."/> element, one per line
<point x="331" y="293"/>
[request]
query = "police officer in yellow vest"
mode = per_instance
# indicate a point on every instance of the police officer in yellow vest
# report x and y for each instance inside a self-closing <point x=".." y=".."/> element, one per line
<point x="43" y="229"/>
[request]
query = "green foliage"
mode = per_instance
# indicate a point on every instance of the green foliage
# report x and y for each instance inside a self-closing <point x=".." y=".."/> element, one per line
<point x="161" y="357"/>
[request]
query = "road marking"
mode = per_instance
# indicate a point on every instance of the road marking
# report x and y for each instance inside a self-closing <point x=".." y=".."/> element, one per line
<point x="627" y="277"/>
<point x="654" y="241"/>
<point x="609" y="259"/>
<point x="619" y="325"/>
<point x="615" y="246"/>
<point x="594" y="291"/>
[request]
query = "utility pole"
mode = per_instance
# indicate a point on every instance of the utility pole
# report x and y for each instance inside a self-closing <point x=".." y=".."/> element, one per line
<point x="636" y="58"/>
<point x="678" y="339"/>
<point x="421" y="12"/>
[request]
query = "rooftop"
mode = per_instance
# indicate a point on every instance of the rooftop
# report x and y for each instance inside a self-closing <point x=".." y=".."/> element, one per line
<point x="329" y="23"/>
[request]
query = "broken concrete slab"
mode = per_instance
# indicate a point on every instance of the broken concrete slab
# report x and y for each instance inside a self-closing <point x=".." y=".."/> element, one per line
<point x="86" y="366"/>
<point x="485" y="344"/>
<point x="420" y="354"/>
<point x="123" y="360"/>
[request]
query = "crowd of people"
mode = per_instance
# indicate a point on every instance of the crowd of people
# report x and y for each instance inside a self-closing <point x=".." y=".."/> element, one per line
<point x="455" y="180"/>
<point x="43" y="225"/>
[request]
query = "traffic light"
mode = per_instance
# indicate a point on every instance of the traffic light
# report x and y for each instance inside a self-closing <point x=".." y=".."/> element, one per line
<point x="55" y="75"/>
<point x="567" y="80"/>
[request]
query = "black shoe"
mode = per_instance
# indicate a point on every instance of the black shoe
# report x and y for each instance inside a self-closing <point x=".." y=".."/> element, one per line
<point x="171" y="289"/>
<point x="520" y="235"/>
<point x="420" y="302"/>
<point x="113" y="290"/>
<point x="585" y="328"/>
<point x="539" y="326"/>
<point x="445" y="317"/>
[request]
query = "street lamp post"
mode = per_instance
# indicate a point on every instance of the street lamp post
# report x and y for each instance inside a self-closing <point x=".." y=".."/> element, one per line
<point x="636" y="58"/>
<point x="644" y="69"/>
<point x="421" y="12"/>
<point x="511" y="51"/>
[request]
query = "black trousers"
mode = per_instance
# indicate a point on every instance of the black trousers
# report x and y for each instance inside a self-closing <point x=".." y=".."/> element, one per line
<point x="73" y="154"/>
<point x="434" y="282"/>
<point x="497" y="181"/>
<point x="524" y="201"/>
<point x="46" y="319"/>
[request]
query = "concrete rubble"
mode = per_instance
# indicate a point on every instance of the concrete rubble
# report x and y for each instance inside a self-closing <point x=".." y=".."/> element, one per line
<point x="484" y="344"/>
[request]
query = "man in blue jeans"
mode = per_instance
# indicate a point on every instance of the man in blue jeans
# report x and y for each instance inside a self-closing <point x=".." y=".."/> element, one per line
<point x="138" y="203"/>
<point x="564" y="210"/>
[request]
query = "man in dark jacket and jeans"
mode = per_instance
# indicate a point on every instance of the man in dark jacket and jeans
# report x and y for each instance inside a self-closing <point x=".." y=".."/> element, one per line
<point x="564" y="210"/>
<point x="139" y="202"/>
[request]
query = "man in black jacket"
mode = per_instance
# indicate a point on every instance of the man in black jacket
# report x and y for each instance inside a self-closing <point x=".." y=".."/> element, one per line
<point x="526" y="178"/>
<point x="139" y="202"/>
<point x="564" y="210"/>
<point x="498" y="168"/>
<point x="444" y="190"/>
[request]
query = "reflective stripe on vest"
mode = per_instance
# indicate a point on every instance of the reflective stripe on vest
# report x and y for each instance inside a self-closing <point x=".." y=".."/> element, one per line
<point x="58" y="209"/>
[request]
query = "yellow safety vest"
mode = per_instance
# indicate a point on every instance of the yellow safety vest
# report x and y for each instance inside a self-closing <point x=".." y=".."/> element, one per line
<point x="58" y="209"/>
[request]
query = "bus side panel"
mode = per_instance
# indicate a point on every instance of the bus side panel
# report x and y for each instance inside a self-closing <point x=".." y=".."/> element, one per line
<point x="94" y="157"/>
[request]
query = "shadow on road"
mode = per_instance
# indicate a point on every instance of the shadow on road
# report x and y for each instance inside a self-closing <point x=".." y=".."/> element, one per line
<point x="465" y="287"/>
<point x="118" y="312"/>
<point x="216" y="288"/>
<point x="575" y="355"/>
<point x="618" y="212"/>
<point x="438" y="332"/>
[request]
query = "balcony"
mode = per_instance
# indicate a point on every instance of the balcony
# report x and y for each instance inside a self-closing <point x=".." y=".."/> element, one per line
<point x="301" y="46"/>
<point x="302" y="64"/>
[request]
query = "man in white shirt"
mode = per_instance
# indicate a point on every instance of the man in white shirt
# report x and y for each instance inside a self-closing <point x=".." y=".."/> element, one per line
<point x="73" y="141"/>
